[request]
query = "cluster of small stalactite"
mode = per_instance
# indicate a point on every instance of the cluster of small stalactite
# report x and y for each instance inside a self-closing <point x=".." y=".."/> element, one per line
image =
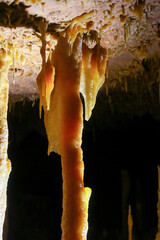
<point x="141" y="76"/>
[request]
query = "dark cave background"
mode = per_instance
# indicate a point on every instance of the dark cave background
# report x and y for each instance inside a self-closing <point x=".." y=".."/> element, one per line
<point x="121" y="154"/>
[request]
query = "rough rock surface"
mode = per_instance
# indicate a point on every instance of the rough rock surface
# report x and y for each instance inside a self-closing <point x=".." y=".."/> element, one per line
<point x="129" y="29"/>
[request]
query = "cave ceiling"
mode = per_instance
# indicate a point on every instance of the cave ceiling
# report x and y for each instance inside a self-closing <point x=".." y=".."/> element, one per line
<point x="128" y="29"/>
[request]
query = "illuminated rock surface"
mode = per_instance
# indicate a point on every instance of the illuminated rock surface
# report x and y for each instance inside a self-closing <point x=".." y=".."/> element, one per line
<point x="128" y="41"/>
<point x="4" y="161"/>
<point x="130" y="33"/>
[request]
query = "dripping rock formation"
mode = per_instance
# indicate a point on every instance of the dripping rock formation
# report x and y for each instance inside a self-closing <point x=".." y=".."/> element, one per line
<point x="120" y="141"/>
<point x="129" y="30"/>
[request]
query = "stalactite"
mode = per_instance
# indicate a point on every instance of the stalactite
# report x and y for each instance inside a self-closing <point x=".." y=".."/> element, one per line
<point x="43" y="5"/>
<point x="107" y="68"/>
<point x="33" y="103"/>
<point x="4" y="161"/>
<point x="77" y="68"/>
<point x="125" y="33"/>
<point x="159" y="92"/>
<point x="82" y="4"/>
<point x="158" y="80"/>
<point x="106" y="78"/>
<point x="64" y="125"/>
<point x="126" y="85"/>
<point x="41" y="79"/>
<point x="78" y="26"/>
<point x="93" y="75"/>
<point x="107" y="86"/>
<point x="13" y="57"/>
<point x="137" y="10"/>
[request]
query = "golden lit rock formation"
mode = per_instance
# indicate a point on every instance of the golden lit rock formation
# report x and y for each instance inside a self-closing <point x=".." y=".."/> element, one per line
<point x="133" y="39"/>
<point x="82" y="41"/>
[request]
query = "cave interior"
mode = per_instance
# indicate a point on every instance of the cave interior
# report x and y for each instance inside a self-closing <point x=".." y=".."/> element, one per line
<point x="120" y="140"/>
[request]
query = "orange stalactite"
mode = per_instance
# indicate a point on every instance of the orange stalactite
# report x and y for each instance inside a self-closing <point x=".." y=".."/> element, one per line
<point x="49" y="80"/>
<point x="64" y="124"/>
<point x="75" y="196"/>
<point x="93" y="75"/>
<point x="72" y="68"/>
<point x="137" y="9"/>
<point x="75" y="199"/>
<point x="79" y="25"/>
<point x="45" y="82"/>
<point x="45" y="78"/>
<point x="107" y="69"/>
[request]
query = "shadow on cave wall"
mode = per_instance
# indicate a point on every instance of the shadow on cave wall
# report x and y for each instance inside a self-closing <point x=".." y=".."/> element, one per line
<point x="121" y="157"/>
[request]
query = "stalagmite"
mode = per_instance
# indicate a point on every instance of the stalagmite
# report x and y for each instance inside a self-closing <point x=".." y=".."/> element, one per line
<point x="130" y="223"/>
<point x="4" y="161"/>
